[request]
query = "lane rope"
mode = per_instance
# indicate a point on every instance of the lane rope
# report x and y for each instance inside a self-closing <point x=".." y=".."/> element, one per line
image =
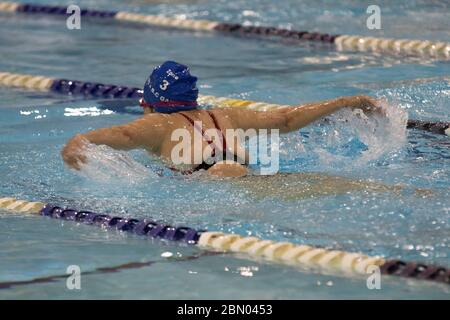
<point x="304" y="256"/>
<point x="436" y="49"/>
<point x="94" y="89"/>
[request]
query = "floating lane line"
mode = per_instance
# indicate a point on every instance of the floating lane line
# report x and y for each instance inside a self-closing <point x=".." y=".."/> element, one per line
<point x="303" y="256"/>
<point x="94" y="89"/>
<point x="436" y="49"/>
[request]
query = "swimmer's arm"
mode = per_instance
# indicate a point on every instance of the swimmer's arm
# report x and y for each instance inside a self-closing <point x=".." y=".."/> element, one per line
<point x="117" y="137"/>
<point x="141" y="133"/>
<point x="301" y="116"/>
<point x="293" y="118"/>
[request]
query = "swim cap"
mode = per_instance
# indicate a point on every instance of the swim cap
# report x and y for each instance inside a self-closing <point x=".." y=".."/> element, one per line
<point x="171" y="88"/>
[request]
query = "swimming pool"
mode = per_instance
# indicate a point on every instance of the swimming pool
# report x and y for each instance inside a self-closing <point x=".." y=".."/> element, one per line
<point x="34" y="126"/>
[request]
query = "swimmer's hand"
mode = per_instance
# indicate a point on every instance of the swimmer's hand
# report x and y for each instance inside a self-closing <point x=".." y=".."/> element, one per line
<point x="367" y="104"/>
<point x="73" y="152"/>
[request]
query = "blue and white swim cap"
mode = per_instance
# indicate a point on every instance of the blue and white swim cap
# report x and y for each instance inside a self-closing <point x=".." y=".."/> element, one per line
<point x="171" y="88"/>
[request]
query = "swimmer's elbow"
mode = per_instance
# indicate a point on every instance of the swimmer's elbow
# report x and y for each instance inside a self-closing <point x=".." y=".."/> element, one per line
<point x="125" y="135"/>
<point x="134" y="138"/>
<point x="287" y="126"/>
<point x="276" y="120"/>
<point x="301" y="116"/>
<point x="290" y="123"/>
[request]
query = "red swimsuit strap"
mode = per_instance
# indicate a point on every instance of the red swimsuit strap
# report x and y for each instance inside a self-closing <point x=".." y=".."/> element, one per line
<point x="216" y="124"/>
<point x="195" y="125"/>
<point x="204" y="135"/>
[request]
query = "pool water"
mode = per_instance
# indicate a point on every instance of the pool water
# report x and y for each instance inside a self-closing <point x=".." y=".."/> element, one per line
<point x="34" y="126"/>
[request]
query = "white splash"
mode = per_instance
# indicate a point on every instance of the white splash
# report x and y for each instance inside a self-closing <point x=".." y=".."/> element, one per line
<point x="105" y="164"/>
<point x="382" y="134"/>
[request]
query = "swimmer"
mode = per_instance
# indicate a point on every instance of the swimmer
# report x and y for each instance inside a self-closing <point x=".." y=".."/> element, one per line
<point x="170" y="103"/>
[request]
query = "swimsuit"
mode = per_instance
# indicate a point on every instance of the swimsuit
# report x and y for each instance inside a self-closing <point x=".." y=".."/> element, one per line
<point x="204" y="165"/>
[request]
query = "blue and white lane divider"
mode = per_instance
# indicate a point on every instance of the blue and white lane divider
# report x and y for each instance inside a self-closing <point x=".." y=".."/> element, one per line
<point x="95" y="89"/>
<point x="303" y="256"/>
<point x="436" y="49"/>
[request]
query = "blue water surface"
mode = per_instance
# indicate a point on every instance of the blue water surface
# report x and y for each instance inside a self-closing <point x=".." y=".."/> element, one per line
<point x="34" y="126"/>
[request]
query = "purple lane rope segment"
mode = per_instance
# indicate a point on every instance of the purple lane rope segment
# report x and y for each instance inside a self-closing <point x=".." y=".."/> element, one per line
<point x="140" y="227"/>
<point x="436" y="49"/>
<point x="94" y="89"/>
<point x="431" y="126"/>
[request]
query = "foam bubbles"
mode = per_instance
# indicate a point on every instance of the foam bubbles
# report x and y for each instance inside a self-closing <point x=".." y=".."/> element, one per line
<point x="347" y="139"/>
<point x="369" y="137"/>
<point x="105" y="164"/>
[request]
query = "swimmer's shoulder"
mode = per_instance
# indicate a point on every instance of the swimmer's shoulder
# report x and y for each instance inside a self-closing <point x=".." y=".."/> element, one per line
<point x="157" y="123"/>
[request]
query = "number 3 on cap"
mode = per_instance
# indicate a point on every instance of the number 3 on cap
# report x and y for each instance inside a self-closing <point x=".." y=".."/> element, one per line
<point x="164" y="85"/>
